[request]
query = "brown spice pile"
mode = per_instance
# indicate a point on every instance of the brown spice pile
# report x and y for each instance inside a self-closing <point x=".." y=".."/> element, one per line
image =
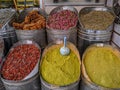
<point x="33" y="21"/>
<point x="97" y="20"/>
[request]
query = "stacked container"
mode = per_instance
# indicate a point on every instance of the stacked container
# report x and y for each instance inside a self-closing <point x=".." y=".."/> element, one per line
<point x="100" y="56"/>
<point x="58" y="34"/>
<point x="6" y="31"/>
<point x="86" y="36"/>
<point x="67" y="67"/>
<point x="29" y="81"/>
<point x="38" y="36"/>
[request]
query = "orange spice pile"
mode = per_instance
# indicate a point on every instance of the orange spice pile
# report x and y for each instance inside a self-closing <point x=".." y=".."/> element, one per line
<point x="33" y="21"/>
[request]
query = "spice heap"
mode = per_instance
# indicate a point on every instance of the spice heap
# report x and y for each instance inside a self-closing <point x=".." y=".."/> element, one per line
<point x="58" y="69"/>
<point x="102" y="66"/>
<point x="97" y="20"/>
<point x="33" y="21"/>
<point x="62" y="20"/>
<point x="20" y="62"/>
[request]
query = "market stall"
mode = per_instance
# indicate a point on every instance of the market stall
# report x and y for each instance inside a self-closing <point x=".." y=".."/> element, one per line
<point x="60" y="45"/>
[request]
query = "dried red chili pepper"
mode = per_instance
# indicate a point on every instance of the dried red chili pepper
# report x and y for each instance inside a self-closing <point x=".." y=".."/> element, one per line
<point x="20" y="62"/>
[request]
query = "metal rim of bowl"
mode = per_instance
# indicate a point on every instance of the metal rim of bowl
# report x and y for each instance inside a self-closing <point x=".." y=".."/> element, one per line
<point x="95" y="9"/>
<point x="11" y="49"/>
<point x="26" y="11"/>
<point x="90" y="82"/>
<point x="52" y="85"/>
<point x="61" y="8"/>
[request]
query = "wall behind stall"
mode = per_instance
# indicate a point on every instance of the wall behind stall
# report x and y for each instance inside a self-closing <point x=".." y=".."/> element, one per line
<point x="78" y="4"/>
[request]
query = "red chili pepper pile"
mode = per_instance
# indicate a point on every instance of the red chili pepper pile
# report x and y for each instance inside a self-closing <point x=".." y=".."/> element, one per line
<point x="20" y="62"/>
<point x="62" y="20"/>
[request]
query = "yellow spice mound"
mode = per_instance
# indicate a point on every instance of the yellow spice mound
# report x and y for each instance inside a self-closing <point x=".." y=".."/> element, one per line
<point x="60" y="70"/>
<point x="102" y="65"/>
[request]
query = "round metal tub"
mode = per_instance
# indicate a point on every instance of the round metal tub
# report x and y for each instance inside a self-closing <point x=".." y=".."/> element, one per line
<point x="87" y="37"/>
<point x="56" y="34"/>
<point x="47" y="86"/>
<point x="35" y="35"/>
<point x="6" y="31"/>
<point x="9" y="37"/>
<point x="38" y="36"/>
<point x="87" y="10"/>
<point x="86" y="83"/>
<point x="30" y="82"/>
<point x="85" y="40"/>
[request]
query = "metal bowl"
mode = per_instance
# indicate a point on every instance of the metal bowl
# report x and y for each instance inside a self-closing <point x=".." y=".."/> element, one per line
<point x="35" y="69"/>
<point x="86" y="10"/>
<point x="86" y="83"/>
<point x="61" y="8"/>
<point x="27" y="10"/>
<point x="37" y="35"/>
<point x="47" y="86"/>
